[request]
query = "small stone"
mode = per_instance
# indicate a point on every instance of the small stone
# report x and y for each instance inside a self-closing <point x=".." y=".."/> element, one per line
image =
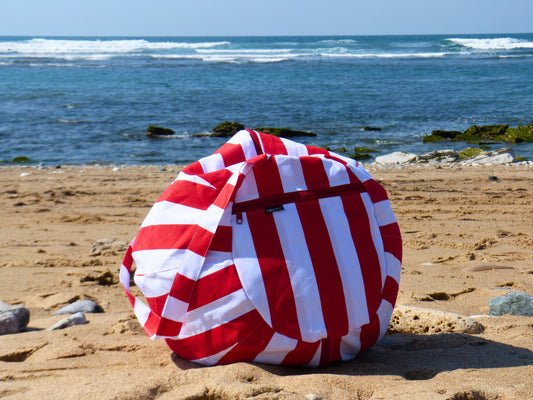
<point x="75" y="319"/>
<point x="13" y="319"/>
<point x="313" y="396"/>
<point x="84" y="306"/>
<point x="514" y="303"/>
<point x="493" y="178"/>
<point x="108" y="246"/>
<point x="398" y="157"/>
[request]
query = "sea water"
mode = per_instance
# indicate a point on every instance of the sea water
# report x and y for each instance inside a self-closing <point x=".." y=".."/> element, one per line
<point x="73" y="100"/>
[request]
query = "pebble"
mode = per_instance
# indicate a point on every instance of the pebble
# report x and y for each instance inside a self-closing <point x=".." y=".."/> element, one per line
<point x="82" y="306"/>
<point x="74" y="319"/>
<point x="13" y="319"/>
<point x="514" y="303"/>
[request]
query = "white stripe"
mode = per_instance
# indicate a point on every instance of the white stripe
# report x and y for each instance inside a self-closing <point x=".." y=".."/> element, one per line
<point x="248" y="269"/>
<point x="359" y="171"/>
<point x="277" y="349"/>
<point x="291" y="173"/>
<point x="156" y="284"/>
<point x="295" y="148"/>
<point x="243" y="139"/>
<point x="336" y="172"/>
<point x="301" y="273"/>
<point x="248" y="189"/>
<point x="216" y="313"/>
<point x="211" y="163"/>
<point x="175" y="309"/>
<point x="193" y="178"/>
<point x="151" y="262"/>
<point x="215" y="261"/>
<point x="125" y="275"/>
<point x="213" y="359"/>
<point x="384" y="314"/>
<point x="384" y="214"/>
<point x="347" y="260"/>
<point x="394" y="266"/>
<point x="376" y="235"/>
<point x="142" y="311"/>
<point x="350" y="344"/>
<point x="168" y="213"/>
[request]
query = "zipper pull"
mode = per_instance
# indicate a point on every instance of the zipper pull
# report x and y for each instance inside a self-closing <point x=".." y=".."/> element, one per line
<point x="239" y="217"/>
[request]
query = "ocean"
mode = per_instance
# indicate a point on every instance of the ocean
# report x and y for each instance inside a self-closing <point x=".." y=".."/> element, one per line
<point x="89" y="100"/>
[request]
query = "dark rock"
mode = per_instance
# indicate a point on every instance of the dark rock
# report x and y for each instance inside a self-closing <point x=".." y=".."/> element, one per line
<point x="83" y="306"/>
<point x="484" y="134"/>
<point x="284" y="132"/>
<point x="156" y="131"/>
<point x="13" y="319"/>
<point x="227" y="129"/>
<point x="514" y="303"/>
<point x="371" y="128"/>
<point x="75" y="319"/>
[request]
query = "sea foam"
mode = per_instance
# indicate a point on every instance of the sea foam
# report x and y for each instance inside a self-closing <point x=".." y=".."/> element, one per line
<point x="503" y="43"/>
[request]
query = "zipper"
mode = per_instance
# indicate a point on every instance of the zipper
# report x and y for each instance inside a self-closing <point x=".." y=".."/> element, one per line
<point x="274" y="203"/>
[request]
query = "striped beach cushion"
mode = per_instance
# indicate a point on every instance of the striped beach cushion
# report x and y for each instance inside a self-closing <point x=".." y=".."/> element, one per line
<point x="269" y="251"/>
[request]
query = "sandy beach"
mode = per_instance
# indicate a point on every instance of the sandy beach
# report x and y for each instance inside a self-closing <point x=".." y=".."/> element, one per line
<point x="467" y="235"/>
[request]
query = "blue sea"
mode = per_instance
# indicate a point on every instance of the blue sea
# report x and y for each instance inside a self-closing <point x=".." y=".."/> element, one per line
<point x="89" y="100"/>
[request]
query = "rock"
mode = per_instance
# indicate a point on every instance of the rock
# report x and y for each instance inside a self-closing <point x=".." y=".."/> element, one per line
<point x="485" y="133"/>
<point x="75" y="319"/>
<point x="398" y="157"/>
<point x="514" y="303"/>
<point x="86" y="306"/>
<point x="438" y="156"/>
<point x="284" y="132"/>
<point x="155" y="131"/>
<point x="108" y="246"/>
<point x="407" y="319"/>
<point x="227" y="129"/>
<point x="502" y="156"/>
<point x="440" y="135"/>
<point x="371" y="128"/>
<point x="13" y="319"/>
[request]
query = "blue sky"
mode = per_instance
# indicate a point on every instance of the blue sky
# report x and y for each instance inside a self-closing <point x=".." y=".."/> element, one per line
<point x="262" y="17"/>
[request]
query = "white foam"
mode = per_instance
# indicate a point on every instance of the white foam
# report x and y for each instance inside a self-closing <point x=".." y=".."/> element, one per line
<point x="503" y="43"/>
<point x="53" y="47"/>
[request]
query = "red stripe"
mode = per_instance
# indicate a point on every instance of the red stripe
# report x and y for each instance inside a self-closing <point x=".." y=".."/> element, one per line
<point x="168" y="327"/>
<point x="331" y="350"/>
<point x="152" y="323"/>
<point x="215" y="286"/>
<point x="189" y="194"/>
<point x="194" y="169"/>
<point x="249" y="348"/>
<point x="182" y="288"/>
<point x="174" y="236"/>
<point x="268" y="178"/>
<point x="231" y="153"/>
<point x="302" y="354"/>
<point x="222" y="239"/>
<point x="390" y="290"/>
<point x="392" y="239"/>
<point x="316" y="150"/>
<point x="272" y="144"/>
<point x="157" y="303"/>
<point x="366" y="251"/>
<point x="376" y="191"/>
<point x="315" y="174"/>
<point x="217" y="339"/>
<point x="128" y="259"/>
<point x="327" y="273"/>
<point x="131" y="298"/>
<point x="369" y="334"/>
<point x="224" y="196"/>
<point x="275" y="274"/>
<point x="255" y="139"/>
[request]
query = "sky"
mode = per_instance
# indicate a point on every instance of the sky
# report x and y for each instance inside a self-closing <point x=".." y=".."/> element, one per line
<point x="262" y="17"/>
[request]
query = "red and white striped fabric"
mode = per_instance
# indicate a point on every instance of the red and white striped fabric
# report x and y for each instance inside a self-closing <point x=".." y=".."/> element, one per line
<point x="269" y="251"/>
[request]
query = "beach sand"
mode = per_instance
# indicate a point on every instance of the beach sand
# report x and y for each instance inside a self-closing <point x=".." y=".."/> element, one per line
<point x="467" y="238"/>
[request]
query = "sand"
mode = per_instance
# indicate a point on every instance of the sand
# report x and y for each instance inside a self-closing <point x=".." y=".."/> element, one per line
<point x="467" y="238"/>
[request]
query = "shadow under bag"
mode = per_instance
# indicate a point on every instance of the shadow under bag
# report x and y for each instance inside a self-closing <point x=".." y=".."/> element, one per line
<point x="268" y="251"/>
